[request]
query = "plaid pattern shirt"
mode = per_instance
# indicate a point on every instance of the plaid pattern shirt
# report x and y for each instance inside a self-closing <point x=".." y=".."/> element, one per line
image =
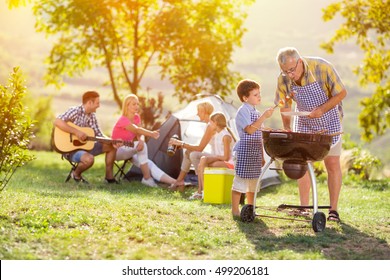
<point x="78" y="116"/>
<point x="307" y="98"/>
<point x="249" y="148"/>
<point x="316" y="69"/>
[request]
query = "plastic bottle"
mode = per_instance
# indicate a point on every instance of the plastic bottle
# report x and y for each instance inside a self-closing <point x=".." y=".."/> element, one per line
<point x="172" y="148"/>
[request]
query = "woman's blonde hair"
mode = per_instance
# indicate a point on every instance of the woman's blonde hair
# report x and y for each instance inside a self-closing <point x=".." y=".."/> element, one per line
<point x="126" y="101"/>
<point x="207" y="107"/>
<point x="220" y="119"/>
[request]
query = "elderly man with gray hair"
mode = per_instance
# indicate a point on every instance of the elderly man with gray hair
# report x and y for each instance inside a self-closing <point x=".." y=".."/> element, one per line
<point x="315" y="87"/>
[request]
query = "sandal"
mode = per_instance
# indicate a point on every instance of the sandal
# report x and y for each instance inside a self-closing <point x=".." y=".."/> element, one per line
<point x="111" y="181"/>
<point x="78" y="180"/>
<point x="196" y="195"/>
<point x="334" y="216"/>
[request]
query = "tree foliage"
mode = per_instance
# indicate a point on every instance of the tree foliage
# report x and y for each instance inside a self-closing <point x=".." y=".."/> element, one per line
<point x="15" y="127"/>
<point x="16" y="3"/>
<point x="368" y="22"/>
<point x="190" y="41"/>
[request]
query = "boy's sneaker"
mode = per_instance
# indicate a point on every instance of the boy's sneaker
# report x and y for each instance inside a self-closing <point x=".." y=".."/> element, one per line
<point x="149" y="182"/>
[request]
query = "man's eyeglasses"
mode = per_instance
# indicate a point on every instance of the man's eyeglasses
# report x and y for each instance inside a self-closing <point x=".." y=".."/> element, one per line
<point x="292" y="70"/>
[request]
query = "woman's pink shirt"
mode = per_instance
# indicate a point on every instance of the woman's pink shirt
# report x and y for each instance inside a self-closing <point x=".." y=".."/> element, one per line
<point x="120" y="132"/>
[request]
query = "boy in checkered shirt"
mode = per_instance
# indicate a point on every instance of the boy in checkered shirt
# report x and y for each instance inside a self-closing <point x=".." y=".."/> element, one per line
<point x="248" y="150"/>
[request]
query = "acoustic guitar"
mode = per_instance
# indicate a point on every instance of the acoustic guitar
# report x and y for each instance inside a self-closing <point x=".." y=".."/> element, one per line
<point x="65" y="142"/>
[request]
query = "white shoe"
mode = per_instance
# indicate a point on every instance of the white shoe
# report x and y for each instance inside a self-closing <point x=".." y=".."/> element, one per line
<point x="149" y="182"/>
<point x="196" y="195"/>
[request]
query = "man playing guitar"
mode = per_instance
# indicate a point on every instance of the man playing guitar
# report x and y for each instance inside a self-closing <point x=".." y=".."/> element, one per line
<point x="84" y="116"/>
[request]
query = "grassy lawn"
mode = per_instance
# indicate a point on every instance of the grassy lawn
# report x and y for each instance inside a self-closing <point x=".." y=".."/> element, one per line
<point x="41" y="217"/>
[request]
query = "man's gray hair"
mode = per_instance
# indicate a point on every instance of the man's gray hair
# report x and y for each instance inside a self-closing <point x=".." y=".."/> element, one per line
<point x="285" y="53"/>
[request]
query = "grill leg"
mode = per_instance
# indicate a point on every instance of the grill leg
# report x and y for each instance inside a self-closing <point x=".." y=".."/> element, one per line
<point x="258" y="186"/>
<point x="313" y="187"/>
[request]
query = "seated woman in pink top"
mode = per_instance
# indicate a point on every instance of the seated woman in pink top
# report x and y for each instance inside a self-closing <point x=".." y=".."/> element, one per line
<point x="128" y="128"/>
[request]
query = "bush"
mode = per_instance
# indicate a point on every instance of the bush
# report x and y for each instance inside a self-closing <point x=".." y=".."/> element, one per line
<point x="348" y="143"/>
<point x="43" y="116"/>
<point x="15" y="128"/>
<point x="363" y="163"/>
<point x="359" y="163"/>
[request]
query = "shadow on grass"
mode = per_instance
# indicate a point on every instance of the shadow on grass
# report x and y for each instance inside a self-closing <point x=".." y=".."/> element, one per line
<point x="337" y="241"/>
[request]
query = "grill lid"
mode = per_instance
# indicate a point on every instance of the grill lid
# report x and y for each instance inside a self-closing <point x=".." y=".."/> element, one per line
<point x="301" y="147"/>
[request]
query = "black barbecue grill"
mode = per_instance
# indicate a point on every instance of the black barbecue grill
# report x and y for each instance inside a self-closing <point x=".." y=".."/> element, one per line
<point x="297" y="151"/>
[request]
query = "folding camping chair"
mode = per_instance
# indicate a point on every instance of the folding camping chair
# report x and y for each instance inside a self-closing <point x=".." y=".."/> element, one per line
<point x="121" y="171"/>
<point x="73" y="166"/>
<point x="64" y="155"/>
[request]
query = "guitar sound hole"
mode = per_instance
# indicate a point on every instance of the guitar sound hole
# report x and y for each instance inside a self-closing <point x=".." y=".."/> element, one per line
<point x="78" y="143"/>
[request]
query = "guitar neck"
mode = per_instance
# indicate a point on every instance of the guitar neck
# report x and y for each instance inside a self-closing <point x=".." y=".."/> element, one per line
<point x="107" y="140"/>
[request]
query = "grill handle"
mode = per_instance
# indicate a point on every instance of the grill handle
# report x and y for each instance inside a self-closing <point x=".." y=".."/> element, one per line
<point x="278" y="135"/>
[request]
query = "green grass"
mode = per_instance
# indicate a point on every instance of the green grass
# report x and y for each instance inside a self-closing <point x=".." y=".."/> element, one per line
<point x="41" y="217"/>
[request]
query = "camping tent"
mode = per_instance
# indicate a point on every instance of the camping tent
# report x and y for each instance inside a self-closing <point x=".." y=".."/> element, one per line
<point x="157" y="151"/>
<point x="192" y="129"/>
<point x="186" y="124"/>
